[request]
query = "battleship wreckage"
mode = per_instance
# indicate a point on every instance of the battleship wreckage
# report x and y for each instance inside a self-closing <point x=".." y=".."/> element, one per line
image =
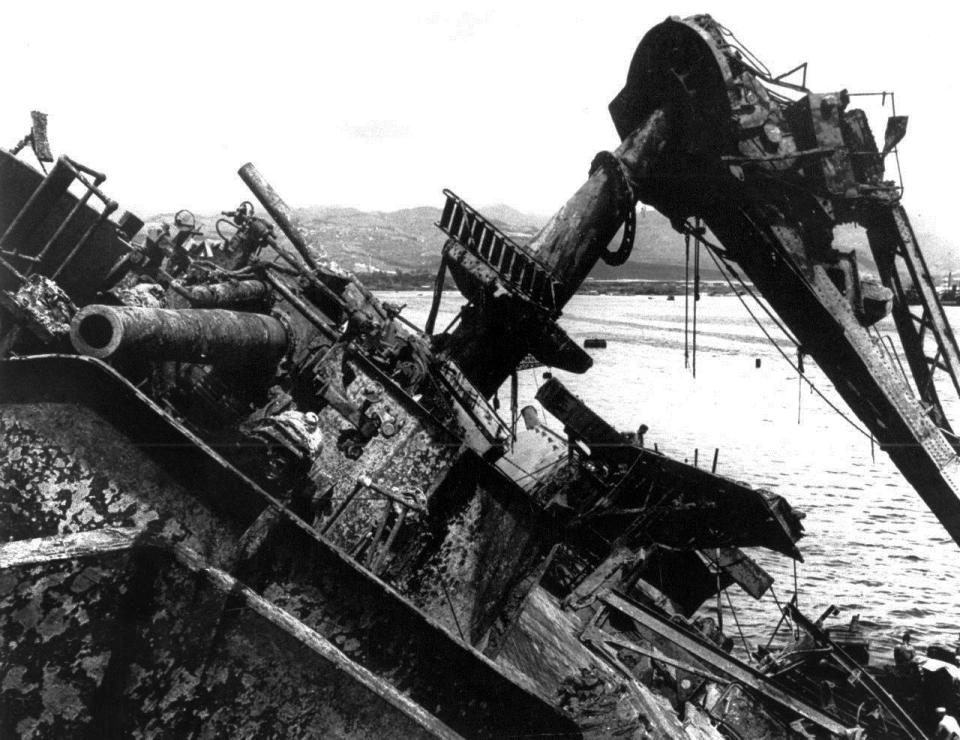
<point x="241" y="496"/>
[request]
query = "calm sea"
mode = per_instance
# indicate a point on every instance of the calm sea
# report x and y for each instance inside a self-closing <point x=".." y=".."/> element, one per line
<point x="871" y="547"/>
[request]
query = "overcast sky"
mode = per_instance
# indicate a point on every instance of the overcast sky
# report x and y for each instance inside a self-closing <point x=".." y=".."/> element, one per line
<point x="381" y="105"/>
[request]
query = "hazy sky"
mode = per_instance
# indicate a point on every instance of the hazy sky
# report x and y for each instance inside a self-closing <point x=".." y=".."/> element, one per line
<point x="381" y="105"/>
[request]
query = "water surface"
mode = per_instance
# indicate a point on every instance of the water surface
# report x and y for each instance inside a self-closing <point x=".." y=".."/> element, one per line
<point x="871" y="548"/>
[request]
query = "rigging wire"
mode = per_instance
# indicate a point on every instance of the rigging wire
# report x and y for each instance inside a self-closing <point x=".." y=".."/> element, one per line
<point x="783" y="617"/>
<point x="742" y="48"/>
<point x="796" y="598"/>
<point x="736" y="621"/>
<point x="719" y="591"/>
<point x="686" y="303"/>
<point x="698" y="230"/>
<point x="536" y="382"/>
<point x="717" y="261"/>
<point x="718" y="250"/>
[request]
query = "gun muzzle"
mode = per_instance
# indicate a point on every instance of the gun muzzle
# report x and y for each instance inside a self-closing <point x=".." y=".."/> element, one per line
<point x="190" y="335"/>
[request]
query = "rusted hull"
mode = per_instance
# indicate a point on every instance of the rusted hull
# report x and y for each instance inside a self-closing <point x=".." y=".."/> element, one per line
<point x="402" y="524"/>
<point x="114" y="637"/>
<point x="85" y="453"/>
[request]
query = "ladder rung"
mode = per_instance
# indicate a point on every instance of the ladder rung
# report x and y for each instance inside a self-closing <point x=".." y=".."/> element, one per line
<point x="536" y="286"/>
<point x="455" y="219"/>
<point x="463" y="230"/>
<point x="17" y="255"/>
<point x="476" y="233"/>
<point x="447" y="214"/>
<point x="516" y="269"/>
<point x="507" y="261"/>
<point x="496" y="249"/>
<point x="551" y="302"/>
<point x="526" y="278"/>
<point x="486" y="244"/>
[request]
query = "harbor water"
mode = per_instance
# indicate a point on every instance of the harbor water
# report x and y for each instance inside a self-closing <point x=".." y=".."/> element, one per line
<point x="871" y="546"/>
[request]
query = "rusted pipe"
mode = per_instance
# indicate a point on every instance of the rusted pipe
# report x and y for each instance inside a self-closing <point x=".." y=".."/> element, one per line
<point x="486" y="345"/>
<point x="571" y="243"/>
<point x="191" y="334"/>
<point x="354" y="296"/>
<point x="278" y="210"/>
<point x="217" y="295"/>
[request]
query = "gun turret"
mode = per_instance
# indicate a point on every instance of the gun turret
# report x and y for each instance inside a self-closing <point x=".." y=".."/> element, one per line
<point x="190" y="335"/>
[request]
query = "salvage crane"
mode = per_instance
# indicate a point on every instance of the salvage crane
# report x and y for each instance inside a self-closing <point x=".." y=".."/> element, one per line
<point x="706" y="135"/>
<point x="227" y="459"/>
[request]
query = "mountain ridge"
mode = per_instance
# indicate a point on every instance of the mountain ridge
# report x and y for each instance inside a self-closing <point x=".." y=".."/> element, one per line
<point x="408" y="241"/>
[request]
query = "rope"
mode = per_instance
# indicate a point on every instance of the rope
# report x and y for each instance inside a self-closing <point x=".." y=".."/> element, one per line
<point x="716" y="565"/>
<point x="686" y="303"/>
<point x="783" y="617"/>
<point x="536" y="382"/>
<point x="514" y="406"/>
<point x="696" y="289"/>
<point x="736" y="621"/>
<point x="742" y="48"/>
<point x="717" y="249"/>
<point x="796" y="597"/>
<point x="896" y="149"/>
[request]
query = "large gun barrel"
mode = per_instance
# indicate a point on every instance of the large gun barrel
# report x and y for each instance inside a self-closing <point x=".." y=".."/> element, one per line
<point x="189" y="335"/>
<point x="278" y="210"/>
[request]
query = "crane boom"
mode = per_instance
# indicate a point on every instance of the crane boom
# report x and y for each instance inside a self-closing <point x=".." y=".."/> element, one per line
<point x="772" y="177"/>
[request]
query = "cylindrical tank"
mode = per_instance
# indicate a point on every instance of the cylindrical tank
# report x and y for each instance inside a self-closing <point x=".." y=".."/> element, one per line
<point x="190" y="335"/>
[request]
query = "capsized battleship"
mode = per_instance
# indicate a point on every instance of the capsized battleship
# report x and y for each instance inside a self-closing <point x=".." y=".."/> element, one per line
<point x="241" y="495"/>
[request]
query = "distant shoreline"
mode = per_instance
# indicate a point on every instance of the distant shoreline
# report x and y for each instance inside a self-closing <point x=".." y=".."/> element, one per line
<point x="425" y="281"/>
<point x="674" y="288"/>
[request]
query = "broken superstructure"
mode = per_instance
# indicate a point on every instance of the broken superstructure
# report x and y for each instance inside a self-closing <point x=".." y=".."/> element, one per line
<point x="227" y="467"/>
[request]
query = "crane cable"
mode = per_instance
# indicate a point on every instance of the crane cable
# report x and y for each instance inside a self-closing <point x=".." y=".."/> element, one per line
<point x="686" y="302"/>
<point x="698" y="233"/>
<point x="716" y="254"/>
